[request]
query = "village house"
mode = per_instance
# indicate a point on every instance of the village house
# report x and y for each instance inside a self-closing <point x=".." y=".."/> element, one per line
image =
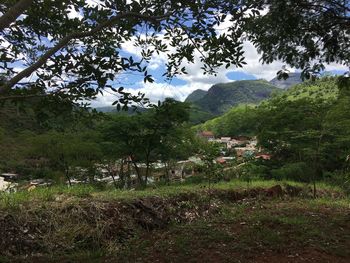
<point x="263" y="156"/>
<point x="207" y="135"/>
<point x="7" y="183"/>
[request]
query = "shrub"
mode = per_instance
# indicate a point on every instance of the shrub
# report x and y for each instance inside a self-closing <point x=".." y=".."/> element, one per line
<point x="339" y="178"/>
<point x="293" y="171"/>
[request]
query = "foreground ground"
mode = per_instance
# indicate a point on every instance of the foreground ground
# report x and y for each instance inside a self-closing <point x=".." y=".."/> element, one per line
<point x="223" y="225"/>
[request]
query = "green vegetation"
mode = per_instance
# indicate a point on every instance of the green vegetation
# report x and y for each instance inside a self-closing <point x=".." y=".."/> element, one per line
<point x="93" y="192"/>
<point x="237" y="121"/>
<point x="304" y="128"/>
<point x="198" y="115"/>
<point x="221" y="97"/>
<point x="179" y="221"/>
<point x="57" y="56"/>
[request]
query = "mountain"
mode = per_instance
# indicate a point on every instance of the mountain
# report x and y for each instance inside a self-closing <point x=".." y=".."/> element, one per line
<point x="293" y="79"/>
<point x="196" y="95"/>
<point x="113" y="109"/>
<point x="221" y="97"/>
<point x="242" y="119"/>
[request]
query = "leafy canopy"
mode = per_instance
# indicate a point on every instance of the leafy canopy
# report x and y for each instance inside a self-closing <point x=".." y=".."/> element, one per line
<point x="76" y="56"/>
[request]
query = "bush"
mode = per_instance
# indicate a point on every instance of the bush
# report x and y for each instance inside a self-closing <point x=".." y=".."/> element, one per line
<point x="339" y="178"/>
<point x="196" y="179"/>
<point x="293" y="171"/>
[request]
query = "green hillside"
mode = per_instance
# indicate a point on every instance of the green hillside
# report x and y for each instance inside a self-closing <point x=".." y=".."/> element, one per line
<point x="238" y="120"/>
<point x="222" y="97"/>
<point x="241" y="119"/>
<point x="324" y="88"/>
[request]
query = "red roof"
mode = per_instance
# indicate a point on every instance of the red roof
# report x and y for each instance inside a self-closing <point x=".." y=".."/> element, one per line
<point x="221" y="161"/>
<point x="207" y="134"/>
<point x="263" y="156"/>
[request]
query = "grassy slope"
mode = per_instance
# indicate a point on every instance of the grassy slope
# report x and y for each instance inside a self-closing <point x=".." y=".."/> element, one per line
<point x="253" y="229"/>
<point x="325" y="88"/>
<point x="77" y="192"/>
<point x="217" y="123"/>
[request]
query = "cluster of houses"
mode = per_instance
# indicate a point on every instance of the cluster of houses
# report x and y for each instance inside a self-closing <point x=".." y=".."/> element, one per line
<point x="240" y="146"/>
<point x="233" y="149"/>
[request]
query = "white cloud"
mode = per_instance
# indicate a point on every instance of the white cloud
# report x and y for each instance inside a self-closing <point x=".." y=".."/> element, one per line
<point x="195" y="78"/>
<point x="154" y="91"/>
<point x="74" y="14"/>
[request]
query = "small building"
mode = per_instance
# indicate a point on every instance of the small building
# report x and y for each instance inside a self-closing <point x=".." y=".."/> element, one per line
<point x="263" y="156"/>
<point x="225" y="139"/>
<point x="244" y="151"/>
<point x="221" y="161"/>
<point x="9" y="176"/>
<point x="207" y="135"/>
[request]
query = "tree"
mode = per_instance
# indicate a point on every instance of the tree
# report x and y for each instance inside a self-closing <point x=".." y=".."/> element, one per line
<point x="305" y="34"/>
<point x="79" y="56"/>
<point x="65" y="151"/>
<point x="144" y="137"/>
<point x="208" y="152"/>
<point x="65" y="57"/>
<point x="295" y="131"/>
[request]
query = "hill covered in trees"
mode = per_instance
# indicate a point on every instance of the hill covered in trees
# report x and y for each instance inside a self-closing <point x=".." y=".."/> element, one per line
<point x="242" y="119"/>
<point x="222" y="97"/>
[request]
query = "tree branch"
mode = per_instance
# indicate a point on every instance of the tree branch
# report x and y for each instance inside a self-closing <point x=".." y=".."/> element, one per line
<point x="13" y="13"/>
<point x="14" y="97"/>
<point x="75" y="35"/>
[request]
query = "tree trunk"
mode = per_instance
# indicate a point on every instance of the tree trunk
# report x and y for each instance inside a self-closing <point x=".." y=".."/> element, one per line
<point x="121" y="173"/>
<point x="127" y="181"/>
<point x="67" y="176"/>
<point x="167" y="177"/>
<point x="114" y="182"/>
<point x="65" y="41"/>
<point x="147" y="173"/>
<point x="139" y="177"/>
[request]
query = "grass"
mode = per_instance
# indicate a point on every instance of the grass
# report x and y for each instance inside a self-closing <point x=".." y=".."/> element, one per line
<point x="75" y="221"/>
<point x="76" y="192"/>
<point x="245" y="232"/>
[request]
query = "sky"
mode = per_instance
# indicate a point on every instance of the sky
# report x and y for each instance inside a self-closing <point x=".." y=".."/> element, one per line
<point x="181" y="86"/>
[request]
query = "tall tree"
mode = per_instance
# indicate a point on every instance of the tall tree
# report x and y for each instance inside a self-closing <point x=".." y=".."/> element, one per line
<point x="74" y="49"/>
<point x="65" y="151"/>
<point x="295" y="131"/>
<point x="143" y="137"/>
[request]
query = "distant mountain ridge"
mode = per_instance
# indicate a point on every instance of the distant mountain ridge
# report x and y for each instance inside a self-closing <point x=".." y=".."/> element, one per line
<point x="293" y="79"/>
<point x="240" y="119"/>
<point x="196" y="95"/>
<point x="221" y="97"/>
<point x="113" y="109"/>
